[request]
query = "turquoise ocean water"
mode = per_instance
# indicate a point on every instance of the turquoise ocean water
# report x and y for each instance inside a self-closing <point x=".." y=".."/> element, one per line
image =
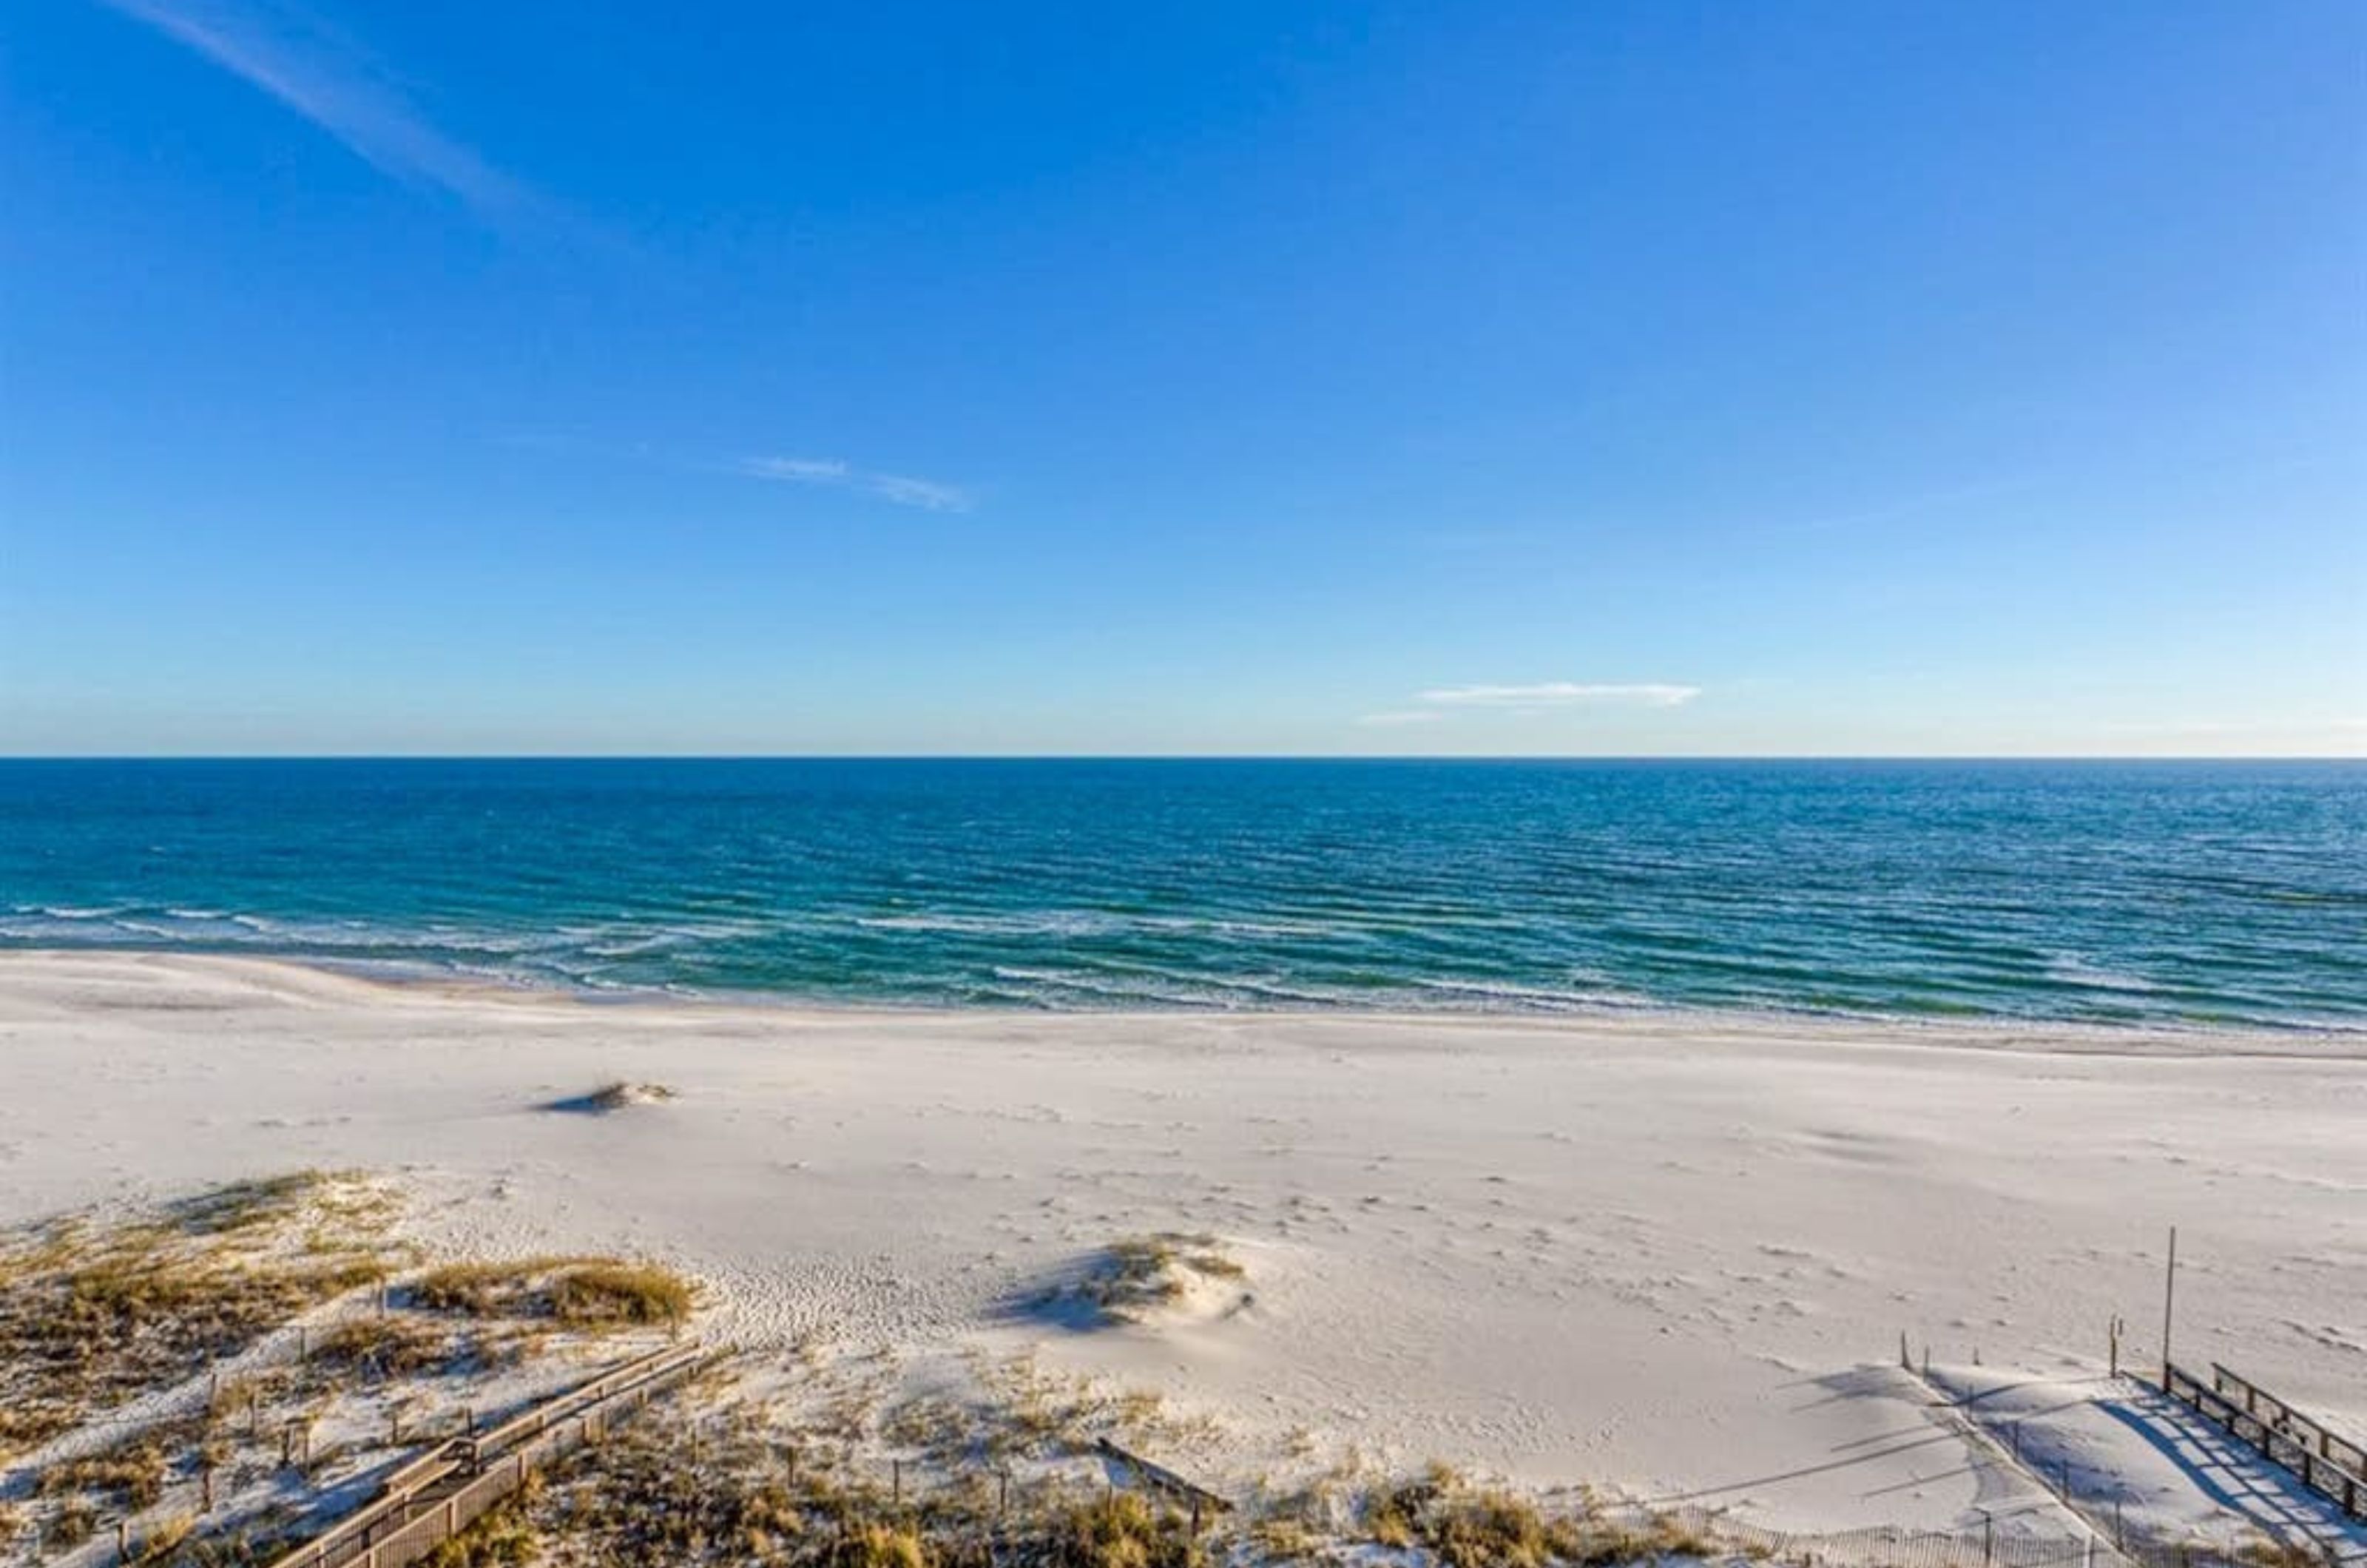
<point x="2207" y="894"/>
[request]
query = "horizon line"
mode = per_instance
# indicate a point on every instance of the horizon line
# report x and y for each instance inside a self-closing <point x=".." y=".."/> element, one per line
<point x="1177" y="757"/>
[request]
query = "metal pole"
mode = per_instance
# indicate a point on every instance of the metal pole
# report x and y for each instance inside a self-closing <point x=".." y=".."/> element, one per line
<point x="2168" y="1294"/>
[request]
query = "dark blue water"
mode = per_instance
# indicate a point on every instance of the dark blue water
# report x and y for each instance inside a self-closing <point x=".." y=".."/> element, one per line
<point x="2188" y="893"/>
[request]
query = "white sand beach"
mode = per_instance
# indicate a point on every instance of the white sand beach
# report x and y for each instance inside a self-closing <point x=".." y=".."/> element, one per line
<point x="1672" y="1255"/>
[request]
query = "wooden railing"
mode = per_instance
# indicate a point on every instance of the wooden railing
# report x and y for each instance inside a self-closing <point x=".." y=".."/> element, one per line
<point x="439" y="1492"/>
<point x="2304" y="1428"/>
<point x="2326" y="1464"/>
<point x="478" y="1447"/>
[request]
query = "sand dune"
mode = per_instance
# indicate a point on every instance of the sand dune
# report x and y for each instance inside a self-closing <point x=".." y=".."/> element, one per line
<point x="1666" y="1253"/>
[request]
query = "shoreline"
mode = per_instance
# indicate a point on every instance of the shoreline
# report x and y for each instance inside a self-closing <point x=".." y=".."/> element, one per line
<point x="1993" y="1032"/>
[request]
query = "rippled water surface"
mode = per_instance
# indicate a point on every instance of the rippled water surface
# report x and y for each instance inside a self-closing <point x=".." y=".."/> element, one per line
<point x="2200" y="893"/>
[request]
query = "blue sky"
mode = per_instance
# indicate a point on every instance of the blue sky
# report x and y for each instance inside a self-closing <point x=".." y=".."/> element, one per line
<point x="910" y="377"/>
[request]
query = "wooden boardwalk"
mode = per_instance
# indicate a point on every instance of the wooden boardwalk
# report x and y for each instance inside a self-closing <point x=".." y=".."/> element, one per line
<point x="442" y="1490"/>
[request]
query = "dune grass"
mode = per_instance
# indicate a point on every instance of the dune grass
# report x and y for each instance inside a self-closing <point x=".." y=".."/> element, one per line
<point x="684" y="1487"/>
<point x="93" y="1313"/>
<point x="574" y="1292"/>
<point x="602" y="1292"/>
<point x="129" y="1475"/>
<point x="1137" y="1275"/>
<point x="1461" y="1525"/>
<point x="382" y="1348"/>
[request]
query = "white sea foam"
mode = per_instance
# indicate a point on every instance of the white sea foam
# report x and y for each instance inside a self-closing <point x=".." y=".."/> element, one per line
<point x="2073" y="970"/>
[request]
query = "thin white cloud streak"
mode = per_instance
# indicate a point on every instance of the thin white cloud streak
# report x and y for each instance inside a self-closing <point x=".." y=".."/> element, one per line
<point x="1561" y="694"/>
<point x="903" y="489"/>
<point x="335" y="87"/>
<point x="1911" y="506"/>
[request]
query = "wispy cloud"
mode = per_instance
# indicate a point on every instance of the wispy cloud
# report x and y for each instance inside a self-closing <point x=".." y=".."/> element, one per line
<point x="1561" y="694"/>
<point x="1906" y="507"/>
<point x="1439" y="704"/>
<point x="902" y="488"/>
<point x="336" y="87"/>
